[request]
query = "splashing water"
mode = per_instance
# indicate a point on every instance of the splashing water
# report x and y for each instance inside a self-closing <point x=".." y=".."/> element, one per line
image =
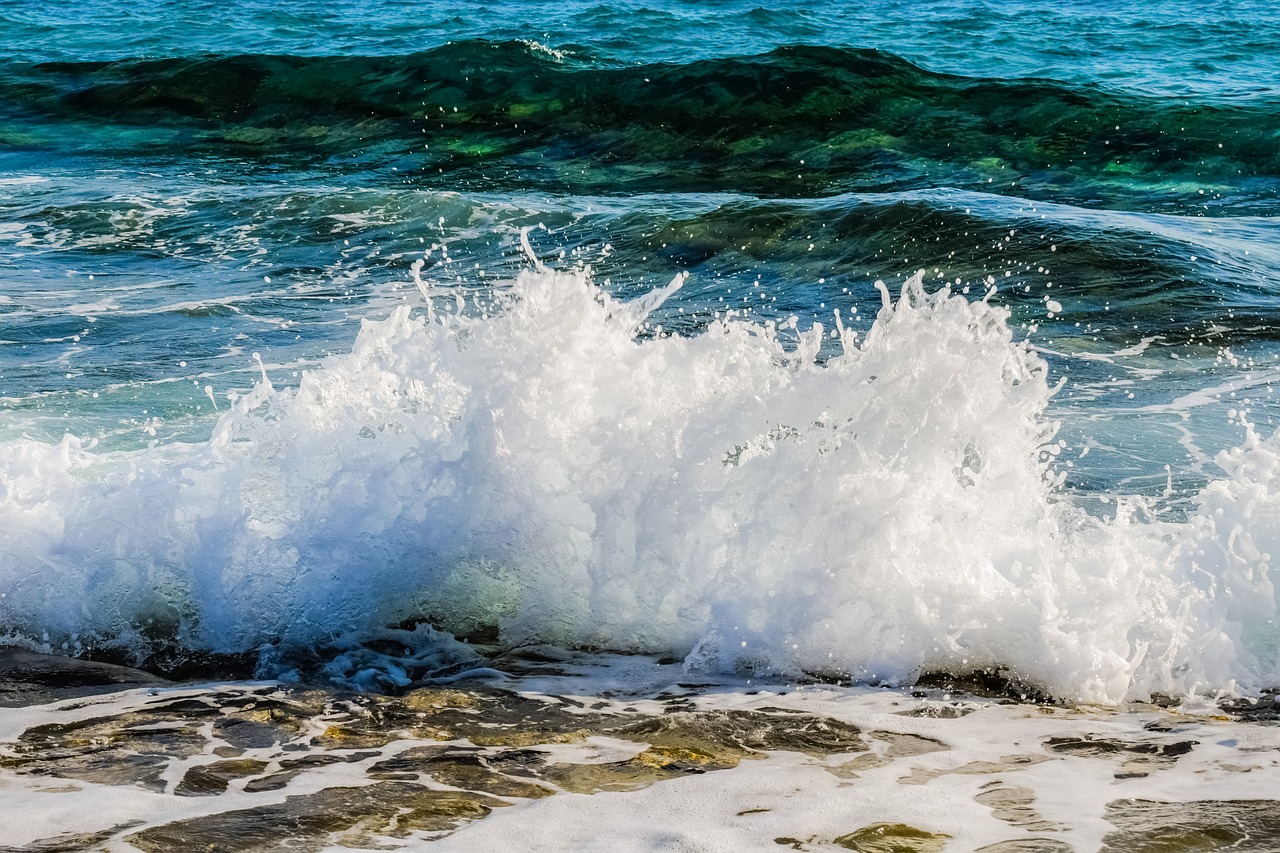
<point x="559" y="469"/>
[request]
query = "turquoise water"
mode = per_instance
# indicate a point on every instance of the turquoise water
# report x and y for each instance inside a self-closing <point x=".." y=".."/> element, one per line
<point x="193" y="196"/>
<point x="1172" y="48"/>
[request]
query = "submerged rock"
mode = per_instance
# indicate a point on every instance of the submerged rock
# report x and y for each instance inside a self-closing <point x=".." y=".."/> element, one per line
<point x="893" y="838"/>
<point x="1150" y="826"/>
<point x="277" y="768"/>
<point x="311" y="822"/>
<point x="1136" y="758"/>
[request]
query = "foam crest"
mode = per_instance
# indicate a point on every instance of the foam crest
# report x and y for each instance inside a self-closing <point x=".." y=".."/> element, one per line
<point x="538" y="467"/>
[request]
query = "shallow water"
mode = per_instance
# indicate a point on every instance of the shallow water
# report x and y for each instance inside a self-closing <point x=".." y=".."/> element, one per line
<point x="591" y="752"/>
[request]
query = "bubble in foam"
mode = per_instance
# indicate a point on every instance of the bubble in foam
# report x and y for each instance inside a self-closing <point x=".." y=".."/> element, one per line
<point x="722" y="497"/>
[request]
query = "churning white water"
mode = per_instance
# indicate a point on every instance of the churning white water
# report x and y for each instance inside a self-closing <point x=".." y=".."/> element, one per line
<point x="553" y="466"/>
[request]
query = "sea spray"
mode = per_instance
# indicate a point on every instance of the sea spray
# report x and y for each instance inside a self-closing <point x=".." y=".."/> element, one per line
<point x="555" y="468"/>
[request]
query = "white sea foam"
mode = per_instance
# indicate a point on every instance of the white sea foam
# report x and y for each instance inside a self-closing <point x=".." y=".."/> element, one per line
<point x="541" y="467"/>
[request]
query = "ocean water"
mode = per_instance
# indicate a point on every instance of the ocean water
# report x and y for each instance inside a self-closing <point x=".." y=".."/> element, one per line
<point x="680" y="425"/>
<point x="853" y="343"/>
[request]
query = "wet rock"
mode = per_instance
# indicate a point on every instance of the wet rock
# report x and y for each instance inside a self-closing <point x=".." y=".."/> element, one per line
<point x="893" y="838"/>
<point x="72" y="842"/>
<point x="1014" y="805"/>
<point x="690" y="742"/>
<point x="920" y="776"/>
<point x="938" y="711"/>
<point x="530" y="738"/>
<point x="518" y="762"/>
<point x="675" y="748"/>
<point x="640" y="771"/>
<point x="435" y="699"/>
<point x="745" y="733"/>
<point x="1097" y="747"/>
<point x="206" y="780"/>
<point x="1138" y="758"/>
<point x="264" y="739"/>
<point x="1150" y="826"/>
<point x="614" y="776"/>
<point x="272" y="782"/>
<point x="107" y="768"/>
<point x="851" y="768"/>
<point x="313" y="822"/>
<point x="354" y="737"/>
<point x="1264" y="708"/>
<point x="987" y="683"/>
<point x="30" y="678"/>
<point x="323" y="759"/>
<point x="128" y="749"/>
<point x="137" y="746"/>
<point x="258" y="727"/>
<point x="903" y="745"/>
<point x="458" y="768"/>
<point x="485" y="716"/>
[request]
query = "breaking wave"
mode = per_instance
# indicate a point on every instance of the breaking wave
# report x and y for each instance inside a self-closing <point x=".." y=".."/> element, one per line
<point x="544" y="462"/>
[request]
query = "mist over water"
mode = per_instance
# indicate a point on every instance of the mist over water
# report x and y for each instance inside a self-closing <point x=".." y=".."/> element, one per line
<point x="275" y="367"/>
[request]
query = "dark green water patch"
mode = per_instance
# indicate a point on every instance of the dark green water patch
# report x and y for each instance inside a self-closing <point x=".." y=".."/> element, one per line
<point x="797" y="121"/>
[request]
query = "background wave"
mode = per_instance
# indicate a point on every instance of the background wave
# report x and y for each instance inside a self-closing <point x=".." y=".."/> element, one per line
<point x="798" y="121"/>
